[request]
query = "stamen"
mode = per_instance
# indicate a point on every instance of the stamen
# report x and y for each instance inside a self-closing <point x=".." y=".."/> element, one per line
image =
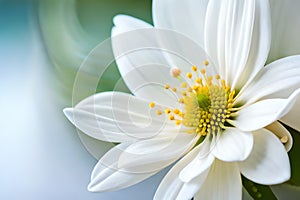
<point x="175" y="72"/>
<point x="208" y="103"/>
<point x="151" y="104"/>
<point x="205" y="62"/>
<point x="158" y="112"/>
<point x="167" y="86"/>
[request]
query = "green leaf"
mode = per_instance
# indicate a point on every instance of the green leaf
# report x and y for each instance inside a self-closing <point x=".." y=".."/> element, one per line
<point x="258" y="191"/>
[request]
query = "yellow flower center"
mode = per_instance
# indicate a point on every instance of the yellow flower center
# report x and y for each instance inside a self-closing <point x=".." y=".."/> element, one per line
<point x="208" y="102"/>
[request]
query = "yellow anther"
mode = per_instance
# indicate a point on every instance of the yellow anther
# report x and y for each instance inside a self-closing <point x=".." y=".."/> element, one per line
<point x="199" y="81"/>
<point x="180" y="100"/>
<point x="176" y="111"/>
<point x="284" y="139"/>
<point x="167" y="86"/>
<point x="178" y="122"/>
<point x="189" y="75"/>
<point x="183" y="85"/>
<point x="151" y="104"/>
<point x="195" y="87"/>
<point x="158" y="112"/>
<point x="203" y="71"/>
<point x="174" y="89"/>
<point x="218" y="77"/>
<point x="171" y="117"/>
<point x="183" y="93"/>
<point x="167" y="111"/>
<point x="205" y="62"/>
<point x="194" y="68"/>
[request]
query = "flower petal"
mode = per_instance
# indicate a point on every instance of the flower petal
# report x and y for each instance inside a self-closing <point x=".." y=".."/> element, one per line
<point x="282" y="133"/>
<point x="168" y="14"/>
<point x="106" y="176"/>
<point x="237" y="37"/>
<point x="145" y="62"/>
<point x="268" y="162"/>
<point x="223" y="182"/>
<point x="233" y="145"/>
<point x="263" y="113"/>
<point x="199" y="164"/>
<point x="156" y="153"/>
<point x="279" y="80"/>
<point x="116" y="117"/>
<point x="292" y="118"/>
<point x="285" y="29"/>
<point x="172" y="187"/>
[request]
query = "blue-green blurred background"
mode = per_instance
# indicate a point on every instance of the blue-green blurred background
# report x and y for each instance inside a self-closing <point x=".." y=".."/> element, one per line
<point x="42" y="44"/>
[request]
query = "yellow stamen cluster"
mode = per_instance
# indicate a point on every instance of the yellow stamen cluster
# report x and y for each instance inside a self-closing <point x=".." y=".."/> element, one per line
<point x="207" y="103"/>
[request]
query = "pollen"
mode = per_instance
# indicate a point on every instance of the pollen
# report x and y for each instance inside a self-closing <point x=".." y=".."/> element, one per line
<point x="151" y="104"/>
<point x="207" y="103"/>
<point x="189" y="75"/>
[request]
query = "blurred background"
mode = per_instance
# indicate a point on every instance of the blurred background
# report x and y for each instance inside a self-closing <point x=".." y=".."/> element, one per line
<point x="42" y="45"/>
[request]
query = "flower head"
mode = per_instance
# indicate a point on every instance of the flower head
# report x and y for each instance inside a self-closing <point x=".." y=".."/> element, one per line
<point x="203" y="98"/>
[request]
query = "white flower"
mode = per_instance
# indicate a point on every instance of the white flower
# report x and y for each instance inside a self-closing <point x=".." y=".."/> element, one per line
<point x="218" y="112"/>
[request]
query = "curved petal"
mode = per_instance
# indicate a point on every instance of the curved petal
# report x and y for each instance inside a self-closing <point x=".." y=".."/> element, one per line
<point x="279" y="79"/>
<point x="263" y="113"/>
<point x="156" y="153"/>
<point x="282" y="133"/>
<point x="237" y="37"/>
<point x="168" y="14"/>
<point x="222" y="182"/>
<point x="292" y="117"/>
<point x="285" y="29"/>
<point x="233" y="145"/>
<point x="117" y="117"/>
<point x="199" y="164"/>
<point x="286" y="191"/>
<point x="172" y="187"/>
<point x="268" y="162"/>
<point x="106" y="175"/>
<point x="146" y="61"/>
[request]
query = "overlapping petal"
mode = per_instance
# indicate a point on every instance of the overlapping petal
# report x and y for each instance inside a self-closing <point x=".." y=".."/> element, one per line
<point x="199" y="164"/>
<point x="237" y="37"/>
<point x="222" y="182"/>
<point x="268" y="162"/>
<point x="263" y="113"/>
<point x="172" y="187"/>
<point x="117" y="117"/>
<point x="106" y="172"/>
<point x="233" y="145"/>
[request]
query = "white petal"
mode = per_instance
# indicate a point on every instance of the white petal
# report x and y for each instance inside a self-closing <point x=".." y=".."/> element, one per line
<point x="168" y="14"/>
<point x="279" y="79"/>
<point x="282" y="133"/>
<point x="237" y="37"/>
<point x="223" y="182"/>
<point x="199" y="164"/>
<point x="145" y="62"/>
<point x="172" y="187"/>
<point x="286" y="191"/>
<point x="106" y="176"/>
<point x="268" y="162"/>
<point x="293" y="116"/>
<point x="263" y="113"/>
<point x="157" y="153"/>
<point x="233" y="145"/>
<point x="116" y="117"/>
<point x="285" y="29"/>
